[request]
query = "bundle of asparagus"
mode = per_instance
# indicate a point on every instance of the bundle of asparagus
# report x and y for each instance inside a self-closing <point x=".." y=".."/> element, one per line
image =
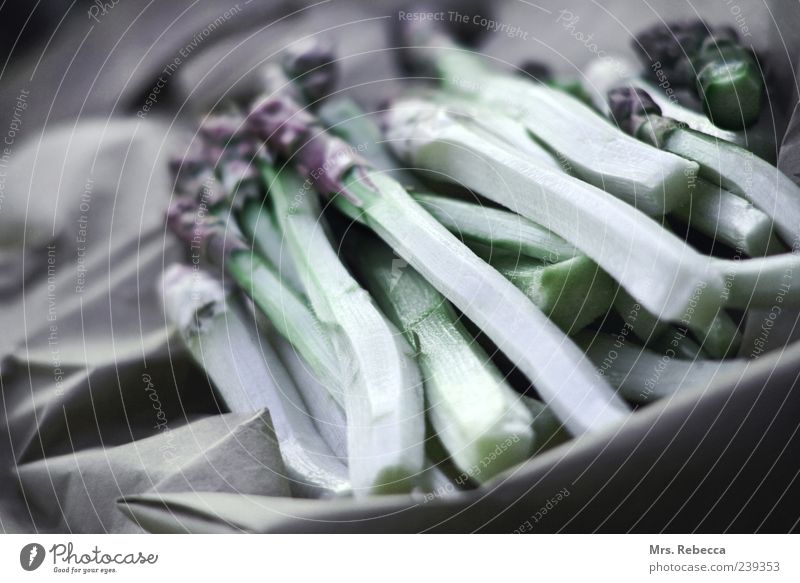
<point x="388" y="323"/>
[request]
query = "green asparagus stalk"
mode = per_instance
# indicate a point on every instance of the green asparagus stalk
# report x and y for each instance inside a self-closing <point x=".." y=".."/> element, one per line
<point x="508" y="231"/>
<point x="572" y="293"/>
<point x="600" y="154"/>
<point x="603" y="75"/>
<point x="220" y="243"/>
<point x="643" y="376"/>
<point x="383" y="401"/>
<point x="730" y="219"/>
<point x="498" y="127"/>
<point x="249" y="376"/>
<point x="718" y="339"/>
<point x="325" y="410"/>
<point x="346" y="119"/>
<point x="472" y="409"/>
<point x="557" y="367"/>
<point x="723" y="163"/>
<point x="496" y="228"/>
<point x="724" y="73"/>
<point x="634" y="249"/>
<point x="261" y="227"/>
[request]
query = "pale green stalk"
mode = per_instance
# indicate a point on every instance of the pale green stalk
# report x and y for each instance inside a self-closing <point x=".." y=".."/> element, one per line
<point x="663" y="273"/>
<point x="472" y="409"/>
<point x="383" y="392"/>
<point x="260" y="227"/>
<point x="496" y="228"/>
<point x="742" y="173"/>
<point x="249" y="376"/>
<point x="556" y="367"/>
<point x="643" y="376"/>
<point x="327" y="412"/>
<point x="494" y="304"/>
<point x="572" y="293"/>
<point x="730" y="219"/>
<point x="652" y="181"/>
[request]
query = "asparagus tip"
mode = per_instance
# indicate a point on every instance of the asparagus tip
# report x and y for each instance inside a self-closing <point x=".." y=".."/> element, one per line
<point x="221" y="128"/>
<point x="536" y="70"/>
<point x="204" y="234"/>
<point x="416" y="32"/>
<point x="629" y="106"/>
<point x="190" y="297"/>
<point x="311" y="64"/>
<point x="293" y="133"/>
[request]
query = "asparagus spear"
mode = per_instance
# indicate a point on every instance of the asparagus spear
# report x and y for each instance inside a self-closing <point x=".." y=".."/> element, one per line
<point x="724" y="74"/>
<point x="603" y="75"/>
<point x="496" y="228"/>
<point x="632" y="248"/>
<point x="730" y="219"/>
<point x="383" y="402"/>
<point x="346" y="119"/>
<point x="498" y="127"/>
<point x="312" y="67"/>
<point x="720" y="162"/>
<point x="261" y="227"/>
<point x="221" y="244"/>
<point x="572" y="293"/>
<point x="328" y="414"/>
<point x="472" y="409"/>
<point x="249" y="376"/>
<point x="600" y="154"/>
<point x="643" y="376"/>
<point x="494" y="304"/>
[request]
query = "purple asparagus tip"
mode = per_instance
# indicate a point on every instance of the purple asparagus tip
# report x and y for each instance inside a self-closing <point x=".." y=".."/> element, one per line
<point x="311" y="64"/>
<point x="630" y="106"/>
<point x="293" y="133"/>
<point x="205" y="235"/>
